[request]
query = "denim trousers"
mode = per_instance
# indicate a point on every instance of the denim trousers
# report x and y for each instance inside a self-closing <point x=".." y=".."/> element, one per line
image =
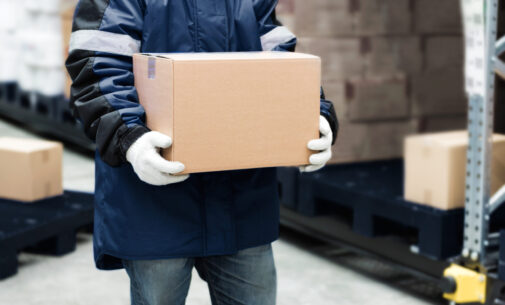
<point x="246" y="278"/>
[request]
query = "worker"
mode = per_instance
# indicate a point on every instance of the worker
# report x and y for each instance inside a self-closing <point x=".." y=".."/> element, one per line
<point x="155" y="224"/>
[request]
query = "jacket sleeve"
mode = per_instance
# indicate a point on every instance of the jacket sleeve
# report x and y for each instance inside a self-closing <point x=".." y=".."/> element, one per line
<point x="105" y="34"/>
<point x="276" y="37"/>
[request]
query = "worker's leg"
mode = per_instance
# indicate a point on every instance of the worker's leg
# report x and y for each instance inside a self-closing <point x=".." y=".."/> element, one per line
<point x="159" y="282"/>
<point x="247" y="278"/>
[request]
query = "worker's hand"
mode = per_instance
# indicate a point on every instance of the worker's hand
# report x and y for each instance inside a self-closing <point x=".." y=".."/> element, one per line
<point x="144" y="155"/>
<point x="322" y="146"/>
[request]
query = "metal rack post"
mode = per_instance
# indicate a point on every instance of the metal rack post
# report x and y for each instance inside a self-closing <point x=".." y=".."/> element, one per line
<point x="480" y="22"/>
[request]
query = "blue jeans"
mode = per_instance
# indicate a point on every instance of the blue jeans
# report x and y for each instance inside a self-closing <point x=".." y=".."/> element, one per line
<point x="246" y="278"/>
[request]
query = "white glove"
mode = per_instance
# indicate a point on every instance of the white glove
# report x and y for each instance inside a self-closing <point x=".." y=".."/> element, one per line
<point x="150" y="167"/>
<point x="323" y="145"/>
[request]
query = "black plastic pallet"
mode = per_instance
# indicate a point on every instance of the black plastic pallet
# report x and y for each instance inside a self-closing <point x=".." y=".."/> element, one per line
<point x="47" y="226"/>
<point x="47" y="115"/>
<point x="8" y="92"/>
<point x="369" y="196"/>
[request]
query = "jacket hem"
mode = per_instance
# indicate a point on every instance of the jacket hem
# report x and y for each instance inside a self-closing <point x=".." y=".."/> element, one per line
<point x="115" y="259"/>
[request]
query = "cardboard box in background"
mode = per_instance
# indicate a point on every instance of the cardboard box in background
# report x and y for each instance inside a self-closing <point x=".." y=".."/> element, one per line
<point x="370" y="141"/>
<point x="285" y="12"/>
<point x="442" y="52"/>
<point x="364" y="44"/>
<point x="229" y="111"/>
<point x="377" y="98"/>
<point x="437" y="17"/>
<point x="340" y="18"/>
<point x="439" y="92"/>
<point x="435" y="168"/>
<point x="31" y="169"/>
<point x="67" y="16"/>
<point x="390" y="55"/>
<point x="432" y="124"/>
<point x="342" y="57"/>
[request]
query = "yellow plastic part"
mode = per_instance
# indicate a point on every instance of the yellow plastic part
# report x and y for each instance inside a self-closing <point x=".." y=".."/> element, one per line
<point x="470" y="285"/>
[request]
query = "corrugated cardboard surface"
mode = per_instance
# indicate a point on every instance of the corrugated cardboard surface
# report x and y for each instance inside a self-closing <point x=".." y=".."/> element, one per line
<point x="31" y="169"/>
<point x="435" y="168"/>
<point x="228" y="111"/>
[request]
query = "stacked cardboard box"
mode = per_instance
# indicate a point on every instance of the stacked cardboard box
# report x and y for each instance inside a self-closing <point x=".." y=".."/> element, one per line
<point x="391" y="67"/>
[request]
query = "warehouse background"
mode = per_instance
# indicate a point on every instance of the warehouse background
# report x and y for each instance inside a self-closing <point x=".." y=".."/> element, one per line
<point x="392" y="68"/>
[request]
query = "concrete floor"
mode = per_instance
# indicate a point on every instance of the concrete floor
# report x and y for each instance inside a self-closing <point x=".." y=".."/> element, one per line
<point x="308" y="272"/>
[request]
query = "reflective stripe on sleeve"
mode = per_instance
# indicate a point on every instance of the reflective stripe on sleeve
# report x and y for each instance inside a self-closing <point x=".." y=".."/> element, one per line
<point x="276" y="37"/>
<point x="101" y="41"/>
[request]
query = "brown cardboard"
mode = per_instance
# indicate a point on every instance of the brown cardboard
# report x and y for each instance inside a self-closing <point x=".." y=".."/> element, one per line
<point x="389" y="55"/>
<point x="31" y="169"/>
<point x="67" y="16"/>
<point x="439" y="92"/>
<point x="371" y="141"/>
<point x="342" y="18"/>
<point x="435" y="168"/>
<point x="377" y="98"/>
<point x="229" y="111"/>
<point x="444" y="52"/>
<point x="342" y="57"/>
<point x="437" y="17"/>
<point x="441" y="123"/>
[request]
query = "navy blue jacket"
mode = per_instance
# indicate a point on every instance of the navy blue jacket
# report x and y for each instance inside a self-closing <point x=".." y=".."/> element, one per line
<point x="210" y="213"/>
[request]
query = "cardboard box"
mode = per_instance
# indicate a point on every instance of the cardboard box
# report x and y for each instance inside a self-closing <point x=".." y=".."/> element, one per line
<point x="438" y="16"/>
<point x="324" y="18"/>
<point x="378" y="98"/>
<point x="391" y="55"/>
<point x="379" y="17"/>
<point x="31" y="169"/>
<point x="340" y="18"/>
<point x="342" y="57"/>
<point x="435" y="168"/>
<point x="444" y="52"/>
<point x="359" y="142"/>
<point x="442" y="123"/>
<point x="228" y="111"/>
<point x="439" y="92"/>
<point x="285" y="13"/>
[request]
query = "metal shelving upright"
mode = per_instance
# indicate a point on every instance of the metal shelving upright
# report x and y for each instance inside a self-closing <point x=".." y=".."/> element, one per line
<point x="482" y="51"/>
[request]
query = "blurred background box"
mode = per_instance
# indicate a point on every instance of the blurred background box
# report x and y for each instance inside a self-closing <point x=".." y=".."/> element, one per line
<point x="438" y="92"/>
<point x="372" y="140"/>
<point x="377" y="98"/>
<point x="343" y="57"/>
<point x="393" y="54"/>
<point x="437" y="16"/>
<point x="31" y="169"/>
<point x="435" y="168"/>
<point x="394" y="65"/>
<point x="331" y="18"/>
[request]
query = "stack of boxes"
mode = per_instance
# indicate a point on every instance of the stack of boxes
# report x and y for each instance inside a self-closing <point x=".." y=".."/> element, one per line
<point x="391" y="67"/>
<point x="34" y="35"/>
<point x="41" y="69"/>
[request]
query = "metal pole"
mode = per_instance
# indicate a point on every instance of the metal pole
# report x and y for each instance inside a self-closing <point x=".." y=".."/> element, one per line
<point x="480" y="39"/>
